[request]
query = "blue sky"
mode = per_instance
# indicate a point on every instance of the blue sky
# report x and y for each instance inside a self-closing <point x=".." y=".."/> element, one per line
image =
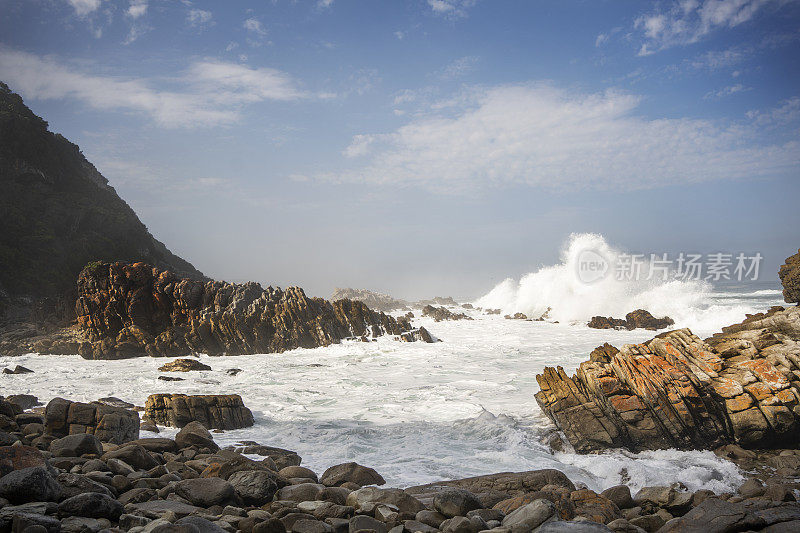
<point x="425" y="147"/>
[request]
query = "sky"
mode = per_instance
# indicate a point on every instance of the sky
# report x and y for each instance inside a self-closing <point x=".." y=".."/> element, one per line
<point x="425" y="147"/>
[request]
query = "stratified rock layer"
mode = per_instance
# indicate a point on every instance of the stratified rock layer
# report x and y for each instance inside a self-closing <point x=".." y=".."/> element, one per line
<point x="129" y="310"/>
<point x="218" y="411"/>
<point x="109" y="424"/>
<point x="790" y="278"/>
<point x="678" y="391"/>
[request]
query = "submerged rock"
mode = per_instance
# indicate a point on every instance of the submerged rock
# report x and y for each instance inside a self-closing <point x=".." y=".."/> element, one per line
<point x="677" y="391"/>
<point x="183" y="365"/>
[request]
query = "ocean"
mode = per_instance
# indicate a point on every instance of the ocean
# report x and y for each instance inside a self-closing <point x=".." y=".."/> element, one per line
<point x="419" y="412"/>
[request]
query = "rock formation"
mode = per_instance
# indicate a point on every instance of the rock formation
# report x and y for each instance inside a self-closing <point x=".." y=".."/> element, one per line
<point x="790" y="277"/>
<point x="183" y="365"/>
<point x="374" y="300"/>
<point x="221" y="411"/>
<point x="109" y="424"/>
<point x="633" y="320"/>
<point x="676" y="390"/>
<point x="442" y="313"/>
<point x="129" y="310"/>
<point x="58" y="213"/>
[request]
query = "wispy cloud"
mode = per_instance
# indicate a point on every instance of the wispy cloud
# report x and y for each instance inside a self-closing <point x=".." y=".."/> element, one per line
<point x="687" y="21"/>
<point x="212" y="92"/>
<point x="199" y="18"/>
<point x="539" y="135"/>
<point x="84" y="7"/>
<point x="786" y="113"/>
<point x="137" y="8"/>
<point x="727" y="91"/>
<point x="459" y="67"/>
<point x="254" y="25"/>
<point x="451" y="8"/>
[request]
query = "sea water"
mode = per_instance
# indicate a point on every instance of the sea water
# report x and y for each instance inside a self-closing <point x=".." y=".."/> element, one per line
<point x="419" y="412"/>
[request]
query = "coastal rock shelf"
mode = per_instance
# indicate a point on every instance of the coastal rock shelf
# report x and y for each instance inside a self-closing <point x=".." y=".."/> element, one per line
<point x="677" y="391"/>
<point x="213" y="411"/>
<point x="129" y="310"/>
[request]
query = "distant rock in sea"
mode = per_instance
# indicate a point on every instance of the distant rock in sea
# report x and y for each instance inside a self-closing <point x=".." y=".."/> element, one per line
<point x="374" y="300"/>
<point x="633" y="320"/>
<point x="442" y="313"/>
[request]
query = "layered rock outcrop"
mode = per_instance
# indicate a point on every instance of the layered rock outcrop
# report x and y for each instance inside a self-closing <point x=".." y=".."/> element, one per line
<point x="677" y="391"/>
<point x="790" y="277"/>
<point x="128" y="310"/>
<point x="213" y="411"/>
<point x="373" y="300"/>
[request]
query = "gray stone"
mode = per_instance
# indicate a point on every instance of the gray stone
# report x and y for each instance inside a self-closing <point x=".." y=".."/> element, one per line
<point x="195" y="434"/>
<point x="23" y="521"/>
<point x="310" y="526"/>
<point x="205" y="492"/>
<point x="361" y="522"/>
<point x="82" y="524"/>
<point x="620" y="495"/>
<point x="414" y="526"/>
<point x="530" y="516"/>
<point x="574" y="527"/>
<point x="458" y="524"/>
<point x="352" y="472"/>
<point x="254" y="487"/>
<point x="430" y="518"/>
<point x="92" y="505"/>
<point x="76" y="445"/>
<point x="202" y="525"/>
<point x="34" y="484"/>
<point x="134" y="455"/>
<point x="74" y="484"/>
<point x="455" y="502"/>
<point x="300" y="493"/>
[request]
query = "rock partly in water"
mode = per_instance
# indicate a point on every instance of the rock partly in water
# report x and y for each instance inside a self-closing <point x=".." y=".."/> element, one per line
<point x="183" y="365"/>
<point x="638" y="319"/>
<point x="221" y="411"/>
<point x="373" y="300"/>
<point x="677" y="391"/>
<point x="442" y="313"/>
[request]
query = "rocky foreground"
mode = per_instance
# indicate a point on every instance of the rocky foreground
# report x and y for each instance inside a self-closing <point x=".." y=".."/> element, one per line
<point x="129" y="310"/>
<point x="58" y="474"/>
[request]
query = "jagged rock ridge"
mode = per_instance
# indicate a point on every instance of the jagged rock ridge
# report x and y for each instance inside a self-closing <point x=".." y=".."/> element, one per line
<point x="130" y="310"/>
<point x="59" y="213"/>
<point x="677" y="391"/>
<point x="373" y="300"/>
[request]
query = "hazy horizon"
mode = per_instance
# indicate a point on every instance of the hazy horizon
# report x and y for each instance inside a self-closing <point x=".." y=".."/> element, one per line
<point x="425" y="148"/>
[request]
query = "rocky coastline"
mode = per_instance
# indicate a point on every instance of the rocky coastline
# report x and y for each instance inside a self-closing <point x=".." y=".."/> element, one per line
<point x="130" y="310"/>
<point x="59" y="475"/>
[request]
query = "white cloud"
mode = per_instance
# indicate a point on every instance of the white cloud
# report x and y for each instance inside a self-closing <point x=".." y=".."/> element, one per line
<point x="323" y="4"/>
<point x="727" y="91"/>
<point x="400" y="34"/>
<point x="212" y="92"/>
<point x="688" y="21"/>
<point x="719" y="59"/>
<point x="459" y="67"/>
<point x="786" y="113"/>
<point x="254" y="25"/>
<point x="137" y="8"/>
<point x="451" y="8"/>
<point x="199" y="18"/>
<point x="539" y="135"/>
<point x="84" y="7"/>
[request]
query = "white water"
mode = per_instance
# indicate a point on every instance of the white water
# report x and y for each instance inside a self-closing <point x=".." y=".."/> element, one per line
<point x="424" y="412"/>
<point x="564" y="291"/>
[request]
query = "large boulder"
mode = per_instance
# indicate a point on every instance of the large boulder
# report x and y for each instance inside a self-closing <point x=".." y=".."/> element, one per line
<point x="195" y="434"/>
<point x="33" y="484"/>
<point x="19" y="457"/>
<point x="455" y="502"/>
<point x="205" y="492"/>
<point x="76" y="445"/>
<point x="109" y="424"/>
<point x="92" y="505"/>
<point x="254" y="487"/>
<point x="351" y="472"/>
<point x="133" y="455"/>
<point x="183" y="365"/>
<point x="221" y="411"/>
<point x="738" y="386"/>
